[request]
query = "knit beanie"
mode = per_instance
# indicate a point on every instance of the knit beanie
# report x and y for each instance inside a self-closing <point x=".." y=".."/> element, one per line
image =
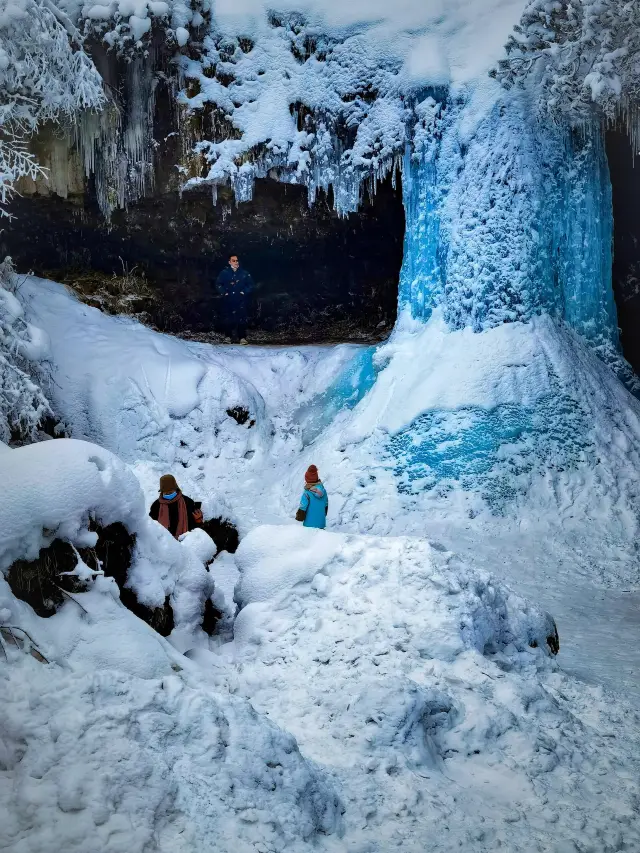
<point x="311" y="475"/>
<point x="168" y="484"/>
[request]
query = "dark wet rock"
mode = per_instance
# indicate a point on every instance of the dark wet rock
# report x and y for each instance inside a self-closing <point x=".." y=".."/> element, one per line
<point x="241" y="416"/>
<point x="624" y="169"/>
<point x="224" y="534"/>
<point x="211" y="617"/>
<point x="41" y="582"/>
<point x="553" y="640"/>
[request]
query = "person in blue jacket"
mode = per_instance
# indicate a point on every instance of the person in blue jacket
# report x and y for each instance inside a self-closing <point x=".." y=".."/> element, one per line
<point x="314" y="503"/>
<point x="235" y="285"/>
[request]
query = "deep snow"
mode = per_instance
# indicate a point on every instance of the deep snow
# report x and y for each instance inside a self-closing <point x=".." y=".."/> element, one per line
<point x="419" y="688"/>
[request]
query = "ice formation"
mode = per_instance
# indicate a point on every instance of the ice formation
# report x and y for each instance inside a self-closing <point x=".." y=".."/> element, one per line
<point x="510" y="220"/>
<point x="406" y="688"/>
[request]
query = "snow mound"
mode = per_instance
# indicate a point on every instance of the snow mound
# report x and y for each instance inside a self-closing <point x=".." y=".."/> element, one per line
<point x="467" y="609"/>
<point x="157" y="401"/>
<point x="55" y="487"/>
<point x="426" y="686"/>
<point x="58" y="486"/>
<point x="134" y="764"/>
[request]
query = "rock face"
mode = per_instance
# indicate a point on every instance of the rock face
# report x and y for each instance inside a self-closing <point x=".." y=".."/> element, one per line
<point x="625" y="182"/>
<point x="318" y="277"/>
<point x="45" y="583"/>
<point x="129" y="242"/>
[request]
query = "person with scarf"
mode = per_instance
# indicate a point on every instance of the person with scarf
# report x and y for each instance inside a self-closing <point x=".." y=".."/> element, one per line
<point x="175" y="511"/>
<point x="314" y="503"/>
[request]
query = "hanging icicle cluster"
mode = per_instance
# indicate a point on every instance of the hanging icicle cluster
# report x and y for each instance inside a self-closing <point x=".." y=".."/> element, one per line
<point x="299" y="106"/>
<point x="117" y="144"/>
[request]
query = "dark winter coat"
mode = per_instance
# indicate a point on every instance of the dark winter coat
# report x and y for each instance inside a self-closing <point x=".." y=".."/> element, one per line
<point x="234" y="287"/>
<point x="154" y="512"/>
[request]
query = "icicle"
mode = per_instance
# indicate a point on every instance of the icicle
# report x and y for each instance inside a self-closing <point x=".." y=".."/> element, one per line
<point x="116" y="145"/>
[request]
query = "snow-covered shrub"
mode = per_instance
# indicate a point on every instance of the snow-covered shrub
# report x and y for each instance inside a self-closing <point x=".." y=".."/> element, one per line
<point x="23" y="404"/>
<point x="45" y="75"/>
<point x="577" y="56"/>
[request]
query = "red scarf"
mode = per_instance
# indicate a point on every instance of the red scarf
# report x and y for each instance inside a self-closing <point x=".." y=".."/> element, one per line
<point x="183" y="520"/>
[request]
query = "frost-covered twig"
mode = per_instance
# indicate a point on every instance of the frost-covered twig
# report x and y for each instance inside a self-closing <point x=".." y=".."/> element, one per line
<point x="577" y="58"/>
<point x="11" y="629"/>
<point x="73" y="598"/>
<point x="42" y="78"/>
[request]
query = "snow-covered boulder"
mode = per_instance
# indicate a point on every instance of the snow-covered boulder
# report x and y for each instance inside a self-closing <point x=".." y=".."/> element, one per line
<point x="55" y="486"/>
<point x="58" y="487"/>
<point x="466" y="609"/>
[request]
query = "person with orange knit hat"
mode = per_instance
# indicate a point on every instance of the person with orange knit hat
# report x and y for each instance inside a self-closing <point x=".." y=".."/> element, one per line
<point x="314" y="503"/>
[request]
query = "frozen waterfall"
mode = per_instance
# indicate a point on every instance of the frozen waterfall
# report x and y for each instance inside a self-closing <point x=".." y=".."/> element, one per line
<point x="509" y="220"/>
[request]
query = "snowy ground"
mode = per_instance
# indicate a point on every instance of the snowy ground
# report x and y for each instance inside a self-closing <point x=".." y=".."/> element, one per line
<point x="406" y="675"/>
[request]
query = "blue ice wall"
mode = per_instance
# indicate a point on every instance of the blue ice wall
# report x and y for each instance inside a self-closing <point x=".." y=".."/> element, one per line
<point x="578" y="225"/>
<point x="347" y="389"/>
<point x="421" y="277"/>
<point x="509" y="219"/>
<point x="506" y="218"/>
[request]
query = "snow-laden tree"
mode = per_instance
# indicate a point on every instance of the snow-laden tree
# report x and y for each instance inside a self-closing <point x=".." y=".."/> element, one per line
<point x="45" y="75"/>
<point x="578" y="55"/>
<point x="23" y="404"/>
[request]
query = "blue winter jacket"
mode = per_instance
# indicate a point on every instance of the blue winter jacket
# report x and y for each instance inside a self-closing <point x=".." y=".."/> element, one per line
<point x="315" y="502"/>
<point x="235" y="287"/>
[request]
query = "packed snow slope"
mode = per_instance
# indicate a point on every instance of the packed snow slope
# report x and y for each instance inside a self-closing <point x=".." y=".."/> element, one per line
<point x="431" y="407"/>
<point x="419" y="688"/>
<point x="521" y="417"/>
<point x="426" y="687"/>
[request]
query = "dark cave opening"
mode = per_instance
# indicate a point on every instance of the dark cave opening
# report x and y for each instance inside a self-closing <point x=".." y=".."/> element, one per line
<point x="319" y="277"/>
<point x="625" y="182"/>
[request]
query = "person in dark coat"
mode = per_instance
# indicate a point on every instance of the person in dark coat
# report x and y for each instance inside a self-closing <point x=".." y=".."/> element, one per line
<point x="175" y="511"/>
<point x="235" y="285"/>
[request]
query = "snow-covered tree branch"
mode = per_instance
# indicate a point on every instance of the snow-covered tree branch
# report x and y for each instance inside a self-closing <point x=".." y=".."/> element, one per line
<point x="579" y="56"/>
<point x="23" y="404"/>
<point x="43" y="77"/>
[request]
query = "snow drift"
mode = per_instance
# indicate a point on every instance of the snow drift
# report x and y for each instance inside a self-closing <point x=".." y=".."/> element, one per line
<point x="436" y="683"/>
<point x="112" y="735"/>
